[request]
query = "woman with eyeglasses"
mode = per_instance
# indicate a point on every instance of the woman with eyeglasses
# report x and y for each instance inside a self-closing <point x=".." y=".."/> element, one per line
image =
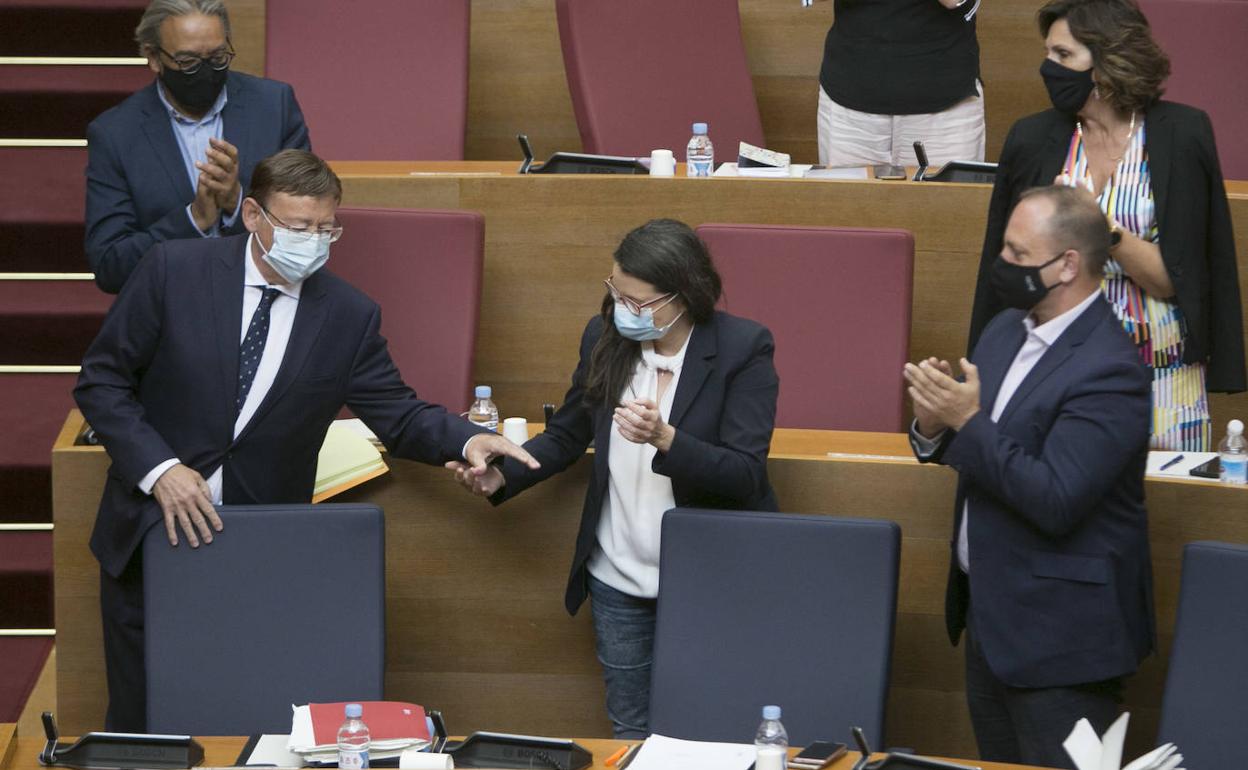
<point x="679" y="401"/>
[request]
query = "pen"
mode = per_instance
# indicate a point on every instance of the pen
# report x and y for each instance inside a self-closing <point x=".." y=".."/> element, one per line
<point x="611" y="760"/>
<point x="1170" y="462"/>
<point x="633" y="751"/>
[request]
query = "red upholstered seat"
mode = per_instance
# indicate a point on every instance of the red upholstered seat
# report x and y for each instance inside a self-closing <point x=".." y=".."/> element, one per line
<point x="385" y="80"/>
<point x="424" y="269"/>
<point x="33" y="408"/>
<point x="641" y="72"/>
<point x="1205" y="42"/>
<point x="838" y="302"/>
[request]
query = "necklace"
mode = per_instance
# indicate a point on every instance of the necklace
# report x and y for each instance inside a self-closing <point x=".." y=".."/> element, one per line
<point x="1126" y="140"/>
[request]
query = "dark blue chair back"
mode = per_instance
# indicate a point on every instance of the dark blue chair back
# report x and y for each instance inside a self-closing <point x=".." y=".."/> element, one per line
<point x="761" y="608"/>
<point x="286" y="606"/>
<point x="1203" y="707"/>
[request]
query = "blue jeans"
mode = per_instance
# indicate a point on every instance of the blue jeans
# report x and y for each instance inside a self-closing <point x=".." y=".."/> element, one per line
<point x="1027" y="726"/>
<point x="624" y="637"/>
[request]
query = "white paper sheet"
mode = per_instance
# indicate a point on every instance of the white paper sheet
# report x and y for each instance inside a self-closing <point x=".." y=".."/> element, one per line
<point x="662" y="753"/>
<point x="1190" y="460"/>
<point x="271" y="750"/>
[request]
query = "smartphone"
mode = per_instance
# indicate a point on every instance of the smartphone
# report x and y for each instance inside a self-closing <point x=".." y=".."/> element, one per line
<point x="817" y="755"/>
<point x="1209" y="470"/>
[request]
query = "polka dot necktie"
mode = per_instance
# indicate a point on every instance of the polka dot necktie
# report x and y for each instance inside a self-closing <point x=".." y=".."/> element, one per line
<point x="253" y="346"/>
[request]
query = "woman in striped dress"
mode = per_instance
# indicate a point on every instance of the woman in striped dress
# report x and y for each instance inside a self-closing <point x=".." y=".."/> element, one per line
<point x="1152" y="165"/>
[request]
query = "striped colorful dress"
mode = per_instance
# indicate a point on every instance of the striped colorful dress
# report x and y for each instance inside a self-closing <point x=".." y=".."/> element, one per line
<point x="1180" y="419"/>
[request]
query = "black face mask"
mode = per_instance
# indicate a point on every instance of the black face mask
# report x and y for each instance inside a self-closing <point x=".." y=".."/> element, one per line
<point x="1068" y="89"/>
<point x="196" y="92"/>
<point x="1020" y="286"/>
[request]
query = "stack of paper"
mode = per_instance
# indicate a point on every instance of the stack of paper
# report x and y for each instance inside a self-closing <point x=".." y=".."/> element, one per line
<point x="662" y="753"/>
<point x="346" y="459"/>
<point x="393" y="727"/>
<point x="1105" y="753"/>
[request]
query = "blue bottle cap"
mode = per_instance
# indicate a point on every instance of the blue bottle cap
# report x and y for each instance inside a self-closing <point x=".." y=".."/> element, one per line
<point x="354" y="711"/>
<point x="771" y="712"/>
<point x="699" y="128"/>
<point x="484" y="391"/>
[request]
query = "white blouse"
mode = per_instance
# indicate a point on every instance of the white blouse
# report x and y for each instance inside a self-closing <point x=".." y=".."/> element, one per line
<point x="626" y="556"/>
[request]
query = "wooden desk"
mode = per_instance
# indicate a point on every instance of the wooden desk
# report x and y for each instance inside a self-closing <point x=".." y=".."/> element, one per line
<point x="8" y="744"/>
<point x="222" y="751"/>
<point x="474" y="594"/>
<point x="549" y="241"/>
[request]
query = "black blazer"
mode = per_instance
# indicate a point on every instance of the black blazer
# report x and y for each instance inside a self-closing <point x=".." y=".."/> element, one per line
<point x="160" y="381"/>
<point x="724" y="410"/>
<point x="1060" y="573"/>
<point x="137" y="185"/>
<point x="1197" y="243"/>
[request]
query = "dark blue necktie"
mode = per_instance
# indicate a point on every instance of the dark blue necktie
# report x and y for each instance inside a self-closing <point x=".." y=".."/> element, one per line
<point x="253" y="346"/>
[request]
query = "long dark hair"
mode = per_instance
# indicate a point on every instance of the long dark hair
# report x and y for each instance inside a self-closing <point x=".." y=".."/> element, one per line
<point x="668" y="255"/>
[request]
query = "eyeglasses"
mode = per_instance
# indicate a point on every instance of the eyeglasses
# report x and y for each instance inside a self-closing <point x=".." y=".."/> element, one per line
<point x="189" y="65"/>
<point x="305" y="233"/>
<point x="636" y="307"/>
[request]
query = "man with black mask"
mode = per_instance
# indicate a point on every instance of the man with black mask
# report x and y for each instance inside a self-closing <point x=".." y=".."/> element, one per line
<point x="172" y="160"/>
<point x="1050" y="575"/>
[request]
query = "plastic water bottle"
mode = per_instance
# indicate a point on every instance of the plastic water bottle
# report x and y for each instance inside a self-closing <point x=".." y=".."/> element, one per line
<point x="483" y="411"/>
<point x="700" y="154"/>
<point x="353" y="740"/>
<point x="1233" y="454"/>
<point x="771" y="741"/>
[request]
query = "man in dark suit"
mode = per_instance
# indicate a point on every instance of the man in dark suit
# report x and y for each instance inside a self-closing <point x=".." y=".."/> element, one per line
<point x="214" y="379"/>
<point x="1050" y="576"/>
<point x="172" y="160"/>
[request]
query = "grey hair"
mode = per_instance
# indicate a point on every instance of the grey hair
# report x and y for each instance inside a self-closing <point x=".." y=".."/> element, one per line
<point x="147" y="34"/>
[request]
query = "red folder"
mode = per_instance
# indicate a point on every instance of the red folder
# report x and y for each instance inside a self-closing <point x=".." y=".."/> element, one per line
<point x="387" y="720"/>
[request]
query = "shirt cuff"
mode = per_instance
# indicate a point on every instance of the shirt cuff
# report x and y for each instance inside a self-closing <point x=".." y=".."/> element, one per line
<point x="925" y="447"/>
<point x="147" y="482"/>
<point x="228" y="220"/>
<point x="212" y="231"/>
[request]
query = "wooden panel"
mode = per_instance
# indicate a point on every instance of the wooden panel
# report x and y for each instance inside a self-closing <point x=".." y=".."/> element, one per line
<point x="549" y="240"/>
<point x="476" y="624"/>
<point x="247" y="35"/>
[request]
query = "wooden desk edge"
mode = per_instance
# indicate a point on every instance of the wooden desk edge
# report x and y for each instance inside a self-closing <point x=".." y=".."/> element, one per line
<point x="8" y="743"/>
<point x="787" y="444"/>
<point x="220" y="752"/>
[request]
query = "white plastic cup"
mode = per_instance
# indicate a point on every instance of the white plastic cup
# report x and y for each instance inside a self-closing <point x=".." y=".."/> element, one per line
<point x="516" y="430"/>
<point x="662" y="163"/>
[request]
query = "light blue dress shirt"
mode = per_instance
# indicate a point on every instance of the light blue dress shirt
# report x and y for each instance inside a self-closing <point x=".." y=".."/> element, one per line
<point x="193" y="136"/>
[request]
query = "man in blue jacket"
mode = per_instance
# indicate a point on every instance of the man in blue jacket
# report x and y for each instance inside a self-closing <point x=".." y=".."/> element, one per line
<point x="172" y="160"/>
<point x="214" y="379"/>
<point x="1050" y="573"/>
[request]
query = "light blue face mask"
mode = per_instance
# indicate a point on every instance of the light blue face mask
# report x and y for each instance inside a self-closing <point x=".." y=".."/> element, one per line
<point x="641" y="328"/>
<point x="296" y="255"/>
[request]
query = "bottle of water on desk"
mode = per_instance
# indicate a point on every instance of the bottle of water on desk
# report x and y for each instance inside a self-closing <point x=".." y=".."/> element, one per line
<point x="700" y="154"/>
<point x="1233" y="454"/>
<point x="771" y="741"/>
<point x="483" y="411"/>
<point x="353" y="740"/>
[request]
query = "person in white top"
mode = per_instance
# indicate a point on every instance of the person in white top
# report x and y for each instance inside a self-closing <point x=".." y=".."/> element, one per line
<point x="680" y="402"/>
<point x="1050" y="574"/>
